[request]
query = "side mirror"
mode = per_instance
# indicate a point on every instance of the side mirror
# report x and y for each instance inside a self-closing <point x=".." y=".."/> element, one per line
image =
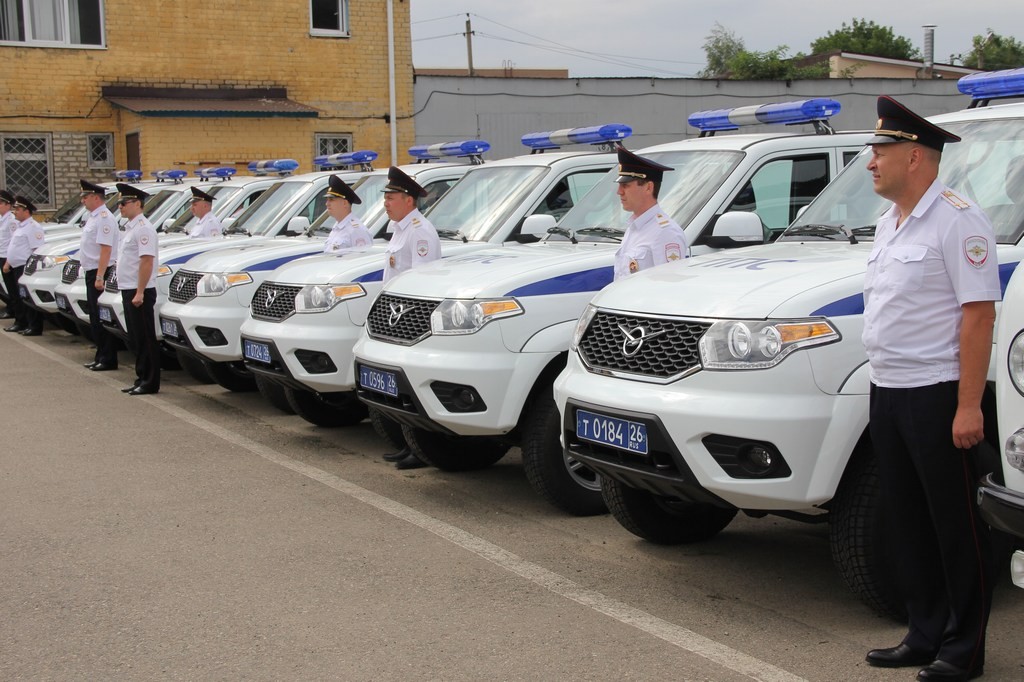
<point x="735" y="229"/>
<point x="297" y="225"/>
<point x="538" y="224"/>
<point x="227" y="222"/>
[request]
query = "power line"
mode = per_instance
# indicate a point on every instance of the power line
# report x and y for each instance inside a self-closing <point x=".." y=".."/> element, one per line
<point x="575" y="53"/>
<point x="427" y="21"/>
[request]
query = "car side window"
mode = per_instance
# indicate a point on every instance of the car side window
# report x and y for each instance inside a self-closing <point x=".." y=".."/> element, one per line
<point x="781" y="187"/>
<point x="568" y="191"/>
<point x="435" y="190"/>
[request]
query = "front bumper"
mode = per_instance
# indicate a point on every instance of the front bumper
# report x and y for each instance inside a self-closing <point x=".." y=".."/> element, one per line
<point x="40" y="287"/>
<point x="72" y="302"/>
<point x="210" y="325"/>
<point x="1001" y="507"/>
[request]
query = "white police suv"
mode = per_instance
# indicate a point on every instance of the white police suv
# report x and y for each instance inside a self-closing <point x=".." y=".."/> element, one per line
<point x="468" y="365"/>
<point x="737" y="381"/>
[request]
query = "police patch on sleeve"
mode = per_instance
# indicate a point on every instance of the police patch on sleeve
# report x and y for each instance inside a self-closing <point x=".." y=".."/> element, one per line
<point x="144" y="240"/>
<point x="421" y="248"/>
<point x="976" y="250"/>
<point x="673" y="252"/>
<point x="106" y="229"/>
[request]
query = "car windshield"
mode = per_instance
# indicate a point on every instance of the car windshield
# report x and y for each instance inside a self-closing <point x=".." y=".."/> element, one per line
<point x="482" y="201"/>
<point x="262" y="215"/>
<point x="156" y="201"/>
<point x="987" y="167"/>
<point x="368" y="188"/>
<point x="695" y="177"/>
<point x="220" y="193"/>
<point x="67" y="213"/>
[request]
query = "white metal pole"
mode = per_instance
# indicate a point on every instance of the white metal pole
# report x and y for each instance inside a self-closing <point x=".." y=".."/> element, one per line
<point x="391" y="84"/>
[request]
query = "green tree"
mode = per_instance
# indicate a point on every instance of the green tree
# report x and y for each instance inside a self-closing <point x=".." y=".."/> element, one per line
<point x="866" y="37"/>
<point x="772" y="65"/>
<point x="993" y="52"/>
<point x="720" y="46"/>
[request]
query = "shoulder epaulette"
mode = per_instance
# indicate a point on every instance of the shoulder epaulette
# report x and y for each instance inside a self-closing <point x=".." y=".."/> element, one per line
<point x="956" y="201"/>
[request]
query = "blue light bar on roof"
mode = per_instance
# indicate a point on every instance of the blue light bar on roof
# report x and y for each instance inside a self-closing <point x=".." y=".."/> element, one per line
<point x="601" y="134"/>
<point x="128" y="175"/>
<point x="347" y="159"/>
<point x="1006" y="83"/>
<point x="171" y="174"/>
<point x="268" y="166"/>
<point x="800" y="111"/>
<point x="215" y="172"/>
<point x="461" y="148"/>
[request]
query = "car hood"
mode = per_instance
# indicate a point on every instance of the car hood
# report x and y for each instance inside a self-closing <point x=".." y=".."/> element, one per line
<point x="331" y="268"/>
<point x="262" y="255"/>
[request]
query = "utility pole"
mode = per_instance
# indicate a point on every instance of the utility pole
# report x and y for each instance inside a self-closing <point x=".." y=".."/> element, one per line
<point x="469" y="44"/>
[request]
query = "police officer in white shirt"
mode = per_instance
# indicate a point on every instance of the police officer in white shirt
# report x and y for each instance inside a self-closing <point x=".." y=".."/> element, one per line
<point x="207" y="224"/>
<point x="929" y="292"/>
<point x="97" y="253"/>
<point x="415" y="241"/>
<point x="348" y="233"/>
<point x="27" y="237"/>
<point x="137" y="262"/>
<point x="7" y="225"/>
<point x="652" y="237"/>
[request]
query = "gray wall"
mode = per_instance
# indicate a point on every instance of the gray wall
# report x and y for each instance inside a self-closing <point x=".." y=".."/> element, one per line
<point x="502" y="110"/>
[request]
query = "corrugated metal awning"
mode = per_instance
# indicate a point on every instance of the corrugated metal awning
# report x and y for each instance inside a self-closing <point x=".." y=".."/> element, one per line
<point x="217" y="103"/>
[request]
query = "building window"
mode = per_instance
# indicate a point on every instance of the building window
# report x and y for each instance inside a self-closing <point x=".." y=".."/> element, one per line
<point x="331" y="143"/>
<point x="25" y="167"/>
<point x="52" y="23"/>
<point x="328" y="17"/>
<point x="101" y="150"/>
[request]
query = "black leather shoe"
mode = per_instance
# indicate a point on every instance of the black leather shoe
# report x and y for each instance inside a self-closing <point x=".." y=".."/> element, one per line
<point x="940" y="671"/>
<point x="5" y="315"/>
<point x="901" y="656"/>
<point x="397" y="456"/>
<point x="141" y="390"/>
<point x="410" y="461"/>
<point x="102" y="367"/>
<point x="89" y="365"/>
<point x="129" y="389"/>
<point x="15" y="328"/>
<point x="32" y="332"/>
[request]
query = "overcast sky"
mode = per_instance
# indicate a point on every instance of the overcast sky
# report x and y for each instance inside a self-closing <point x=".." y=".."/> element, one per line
<point x="665" y="37"/>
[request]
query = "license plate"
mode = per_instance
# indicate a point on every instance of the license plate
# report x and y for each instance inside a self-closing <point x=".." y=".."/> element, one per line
<point x="168" y="327"/>
<point x="253" y="350"/>
<point x="62" y="303"/>
<point x="618" y="433"/>
<point x="378" y="380"/>
<point x="23" y="291"/>
<point x="106" y="314"/>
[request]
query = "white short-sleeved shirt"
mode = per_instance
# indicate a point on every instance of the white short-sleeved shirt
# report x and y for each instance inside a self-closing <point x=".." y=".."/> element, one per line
<point x="348" y="234"/>
<point x="918" y="277"/>
<point x="28" y="236"/>
<point x="99" y="230"/>
<point x="652" y="238"/>
<point x="139" y="240"/>
<point x="207" y="227"/>
<point x="414" y="243"/>
<point x="7" y="226"/>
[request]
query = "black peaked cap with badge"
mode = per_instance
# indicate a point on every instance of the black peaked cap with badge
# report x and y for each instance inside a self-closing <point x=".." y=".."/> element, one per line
<point x="896" y="123"/>
<point x="6" y="196"/>
<point x="200" y="195"/>
<point x="24" y="202"/>
<point x="633" y="167"/>
<point x="129" y="192"/>
<point x="92" y="188"/>
<point x="398" y="181"/>
<point x="339" y="188"/>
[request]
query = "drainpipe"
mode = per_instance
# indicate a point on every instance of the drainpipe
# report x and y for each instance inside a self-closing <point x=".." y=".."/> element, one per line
<point x="391" y="84"/>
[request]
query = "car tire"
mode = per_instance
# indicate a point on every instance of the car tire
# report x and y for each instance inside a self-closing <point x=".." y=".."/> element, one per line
<point x="454" y="453"/>
<point x="195" y="368"/>
<point x="316" y="410"/>
<point x="662" y="520"/>
<point x="388" y="429"/>
<point x="232" y="376"/>
<point x="273" y="393"/>
<point x="564" y="482"/>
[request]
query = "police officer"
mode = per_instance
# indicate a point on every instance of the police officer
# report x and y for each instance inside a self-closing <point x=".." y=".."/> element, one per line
<point x="931" y="283"/>
<point x="7" y="225"/>
<point x="207" y="224"/>
<point x="652" y="237"/>
<point x="348" y="233"/>
<point x="27" y="237"/>
<point x="97" y="253"/>
<point x="414" y="243"/>
<point x="136" y="278"/>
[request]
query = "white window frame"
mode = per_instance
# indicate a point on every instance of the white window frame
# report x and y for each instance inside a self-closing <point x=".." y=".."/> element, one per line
<point x="109" y="137"/>
<point x="329" y="136"/>
<point x="4" y="157"/>
<point x="341" y="32"/>
<point x="64" y="21"/>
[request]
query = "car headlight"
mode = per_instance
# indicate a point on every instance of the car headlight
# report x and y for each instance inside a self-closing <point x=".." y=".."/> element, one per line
<point x="216" y="283"/>
<point x="1015" y="449"/>
<point x="163" y="271"/>
<point x="48" y="262"/>
<point x="1015" y="362"/>
<point x="581" y="326"/>
<point x="455" y="316"/>
<point x="319" y="298"/>
<point x="752" y="344"/>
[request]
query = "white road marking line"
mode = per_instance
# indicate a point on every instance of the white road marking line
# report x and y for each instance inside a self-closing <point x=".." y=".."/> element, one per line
<point x="676" y="635"/>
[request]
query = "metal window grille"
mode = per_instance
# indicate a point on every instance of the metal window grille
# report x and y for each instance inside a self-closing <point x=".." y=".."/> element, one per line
<point x="331" y="143"/>
<point x="101" y="150"/>
<point x="27" y="167"/>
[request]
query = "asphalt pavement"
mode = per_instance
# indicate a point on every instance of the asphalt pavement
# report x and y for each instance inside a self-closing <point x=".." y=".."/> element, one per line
<point x="201" y="534"/>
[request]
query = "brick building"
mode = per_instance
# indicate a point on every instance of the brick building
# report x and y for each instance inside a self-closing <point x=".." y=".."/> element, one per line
<point x="88" y="86"/>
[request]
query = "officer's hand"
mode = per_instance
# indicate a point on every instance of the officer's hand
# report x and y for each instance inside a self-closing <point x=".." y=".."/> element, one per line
<point x="968" y="427"/>
<point x="98" y="285"/>
<point x="7" y="267"/>
<point x="137" y="300"/>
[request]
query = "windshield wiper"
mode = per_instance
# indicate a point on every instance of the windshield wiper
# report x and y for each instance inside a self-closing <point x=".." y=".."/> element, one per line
<point x="453" y="235"/>
<point x="823" y="231"/>
<point x="238" y="230"/>
<point x="563" y="232"/>
<point x="609" y="232"/>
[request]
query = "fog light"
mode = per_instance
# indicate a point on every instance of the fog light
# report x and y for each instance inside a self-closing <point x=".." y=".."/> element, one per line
<point x="464" y="399"/>
<point x="315" y="362"/>
<point x="211" y="337"/>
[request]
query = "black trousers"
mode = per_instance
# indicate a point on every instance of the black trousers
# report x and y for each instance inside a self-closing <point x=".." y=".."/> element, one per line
<point x="24" y="315"/>
<point x="142" y="337"/>
<point x="940" y="547"/>
<point x="106" y="343"/>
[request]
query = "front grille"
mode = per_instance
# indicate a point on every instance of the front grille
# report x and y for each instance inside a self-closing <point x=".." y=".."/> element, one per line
<point x="668" y="348"/>
<point x="31" y="264"/>
<point x="183" y="286"/>
<point x="70" y="272"/>
<point x="111" y="282"/>
<point x="274" y="302"/>
<point x="400" y="320"/>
